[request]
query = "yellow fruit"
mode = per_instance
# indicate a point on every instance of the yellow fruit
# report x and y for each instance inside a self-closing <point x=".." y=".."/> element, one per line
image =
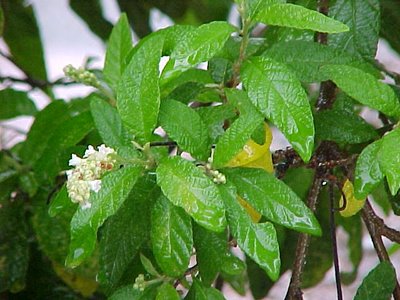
<point x="254" y="155"/>
<point x="353" y="205"/>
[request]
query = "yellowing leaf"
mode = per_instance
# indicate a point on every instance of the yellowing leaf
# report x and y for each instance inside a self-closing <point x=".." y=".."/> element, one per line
<point x="353" y="205"/>
<point x="254" y="215"/>
<point x="83" y="285"/>
<point x="255" y="155"/>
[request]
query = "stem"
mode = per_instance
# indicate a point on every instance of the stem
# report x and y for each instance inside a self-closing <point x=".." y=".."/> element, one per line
<point x="294" y="292"/>
<point x="243" y="46"/>
<point x="369" y="216"/>
<point x="334" y="243"/>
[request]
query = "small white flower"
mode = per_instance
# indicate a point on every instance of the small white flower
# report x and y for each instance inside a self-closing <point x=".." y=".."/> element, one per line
<point x="95" y="185"/>
<point x="90" y="150"/>
<point x="75" y="161"/>
<point x="86" y="176"/>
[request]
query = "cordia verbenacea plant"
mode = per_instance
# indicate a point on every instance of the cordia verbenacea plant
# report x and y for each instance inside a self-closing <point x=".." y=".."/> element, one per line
<point x="161" y="184"/>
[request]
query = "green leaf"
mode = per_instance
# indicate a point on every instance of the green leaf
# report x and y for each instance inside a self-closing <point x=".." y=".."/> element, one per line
<point x="14" y="246"/>
<point x="214" y="118"/>
<point x="258" y="241"/>
<point x="129" y="293"/>
<point x="364" y="88"/>
<point x="119" y="45"/>
<point x="199" y="292"/>
<point x="368" y="171"/>
<point x="187" y="186"/>
<point x="363" y="19"/>
<point x="91" y="13"/>
<point x="390" y="22"/>
<point x="211" y="248"/>
<point x="274" y="199"/>
<point x="67" y="134"/>
<point x="388" y="159"/>
<point x="61" y="202"/>
<point x="306" y="59"/>
<point x="108" y="123"/>
<point x="85" y="223"/>
<point x="46" y="121"/>
<point x="352" y="129"/>
<point x="172" y="237"/>
<point x="379" y="283"/>
<point x="21" y="33"/>
<point x="252" y="7"/>
<point x="167" y="291"/>
<point x="15" y="103"/>
<point x="202" y="44"/>
<point x="296" y="16"/>
<point x="185" y="126"/>
<point x="125" y="232"/>
<point x="138" y="96"/>
<point x="278" y="95"/>
<point x="235" y="138"/>
<point x="220" y="69"/>
<point x="148" y="266"/>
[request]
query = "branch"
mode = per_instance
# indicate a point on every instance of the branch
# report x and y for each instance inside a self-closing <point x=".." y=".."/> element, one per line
<point x="376" y="227"/>
<point x="294" y="292"/>
<point x="36" y="83"/>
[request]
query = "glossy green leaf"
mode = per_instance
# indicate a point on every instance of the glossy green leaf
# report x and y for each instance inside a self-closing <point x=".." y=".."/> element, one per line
<point x="130" y="293"/>
<point x="274" y="199"/>
<point x="278" y="95"/>
<point x="172" y="237"/>
<point x="352" y="129"/>
<point x="389" y="158"/>
<point x="109" y="124"/>
<point x="214" y="118"/>
<point x="379" y="283"/>
<point x="235" y="138"/>
<point x="60" y="202"/>
<point x="191" y="136"/>
<point x="306" y="59"/>
<point x="91" y="13"/>
<point x="220" y="69"/>
<point x="196" y="78"/>
<point x="125" y="232"/>
<point x="363" y="19"/>
<point x="14" y="245"/>
<point x="67" y="134"/>
<point x="138" y="95"/>
<point x="200" y="292"/>
<point x="116" y="187"/>
<point x="148" y="266"/>
<point x="46" y="121"/>
<point x="167" y="291"/>
<point x="21" y="33"/>
<point x="252" y="7"/>
<point x="296" y="16"/>
<point x="186" y="185"/>
<point x="202" y="44"/>
<point x="258" y="241"/>
<point x="15" y="103"/>
<point x="119" y="45"/>
<point x="364" y="88"/>
<point x="211" y="248"/>
<point x="368" y="171"/>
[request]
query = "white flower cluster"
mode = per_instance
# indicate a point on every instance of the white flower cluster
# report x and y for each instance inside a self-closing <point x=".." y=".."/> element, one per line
<point x="86" y="176"/>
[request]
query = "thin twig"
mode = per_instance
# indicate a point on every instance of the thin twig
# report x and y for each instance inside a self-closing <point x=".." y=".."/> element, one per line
<point x="335" y="256"/>
<point x="294" y="292"/>
<point x="370" y="218"/>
